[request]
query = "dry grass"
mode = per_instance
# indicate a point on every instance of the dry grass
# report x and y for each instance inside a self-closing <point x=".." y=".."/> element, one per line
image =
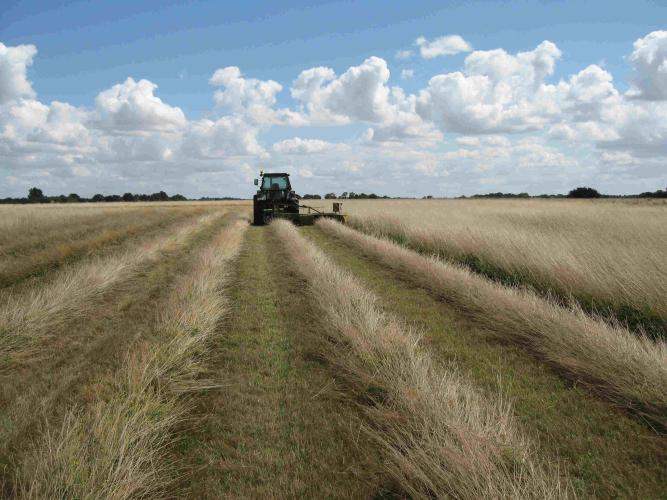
<point x="628" y="369"/>
<point x="116" y="449"/>
<point x="441" y="437"/>
<point x="607" y="254"/>
<point x="29" y="317"/>
<point x="36" y="254"/>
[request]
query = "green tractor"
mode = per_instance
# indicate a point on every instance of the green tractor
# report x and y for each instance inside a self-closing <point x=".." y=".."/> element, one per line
<point x="276" y="200"/>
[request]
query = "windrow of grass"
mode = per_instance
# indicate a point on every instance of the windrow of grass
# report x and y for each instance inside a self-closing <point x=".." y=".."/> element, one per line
<point x="608" y="258"/>
<point x="117" y="446"/>
<point x="34" y="255"/>
<point x="441" y="437"/>
<point x="29" y="317"/>
<point x="629" y="370"/>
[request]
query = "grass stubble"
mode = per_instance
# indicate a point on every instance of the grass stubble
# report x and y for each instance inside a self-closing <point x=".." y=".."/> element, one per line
<point x="628" y="369"/>
<point x="30" y="317"/>
<point x="116" y="447"/>
<point x="441" y="436"/>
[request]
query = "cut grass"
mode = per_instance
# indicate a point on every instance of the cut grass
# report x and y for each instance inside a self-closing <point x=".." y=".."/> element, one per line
<point x="117" y="449"/>
<point x="276" y="427"/>
<point x="629" y="370"/>
<point x="605" y="453"/>
<point x="609" y="256"/>
<point x="60" y="246"/>
<point x="34" y="397"/>
<point x="440" y="436"/>
<point x="28" y="318"/>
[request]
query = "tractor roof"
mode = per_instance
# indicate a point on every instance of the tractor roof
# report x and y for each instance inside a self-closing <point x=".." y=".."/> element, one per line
<point x="275" y="173"/>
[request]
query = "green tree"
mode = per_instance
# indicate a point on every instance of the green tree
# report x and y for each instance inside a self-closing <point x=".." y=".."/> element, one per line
<point x="35" y="194"/>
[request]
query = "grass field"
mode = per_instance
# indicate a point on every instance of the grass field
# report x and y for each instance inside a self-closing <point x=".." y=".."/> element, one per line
<point x="428" y="349"/>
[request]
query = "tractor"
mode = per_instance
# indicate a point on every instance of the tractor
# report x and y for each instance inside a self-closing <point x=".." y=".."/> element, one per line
<point x="275" y="199"/>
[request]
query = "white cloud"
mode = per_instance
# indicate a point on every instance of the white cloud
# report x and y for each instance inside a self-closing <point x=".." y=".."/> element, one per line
<point x="403" y="54"/>
<point x="228" y="136"/>
<point x="442" y="46"/>
<point x="407" y="74"/>
<point x="14" y="62"/>
<point x="516" y="129"/>
<point x="649" y="60"/>
<point x="306" y="146"/>
<point x="496" y="92"/>
<point x="132" y="106"/>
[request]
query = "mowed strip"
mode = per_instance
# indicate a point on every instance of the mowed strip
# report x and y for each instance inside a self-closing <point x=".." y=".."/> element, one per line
<point x="276" y="427"/>
<point x="116" y="446"/>
<point x="625" y="368"/>
<point x="34" y="396"/>
<point x="30" y="317"/>
<point x="56" y="247"/>
<point x="441" y="436"/>
<point x="604" y="452"/>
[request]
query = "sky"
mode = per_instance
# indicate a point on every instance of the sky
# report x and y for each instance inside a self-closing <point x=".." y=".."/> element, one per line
<point x="398" y="98"/>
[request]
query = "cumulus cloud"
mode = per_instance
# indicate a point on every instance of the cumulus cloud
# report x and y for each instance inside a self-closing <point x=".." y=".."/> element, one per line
<point x="300" y="146"/>
<point x="403" y="54"/>
<point x="496" y="92"/>
<point x="500" y="120"/>
<point x="14" y="62"/>
<point x="649" y="61"/>
<point x="228" y="136"/>
<point x="132" y="106"/>
<point x="442" y="46"/>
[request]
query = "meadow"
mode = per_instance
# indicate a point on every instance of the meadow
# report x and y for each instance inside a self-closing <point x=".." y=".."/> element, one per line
<point x="426" y="349"/>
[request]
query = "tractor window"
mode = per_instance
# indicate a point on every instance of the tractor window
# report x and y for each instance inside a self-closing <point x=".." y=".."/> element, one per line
<point x="268" y="182"/>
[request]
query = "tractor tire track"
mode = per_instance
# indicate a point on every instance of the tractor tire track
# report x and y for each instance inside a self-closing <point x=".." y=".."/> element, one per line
<point x="277" y="427"/>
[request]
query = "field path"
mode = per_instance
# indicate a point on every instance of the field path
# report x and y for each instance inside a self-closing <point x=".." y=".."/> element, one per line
<point x="590" y="437"/>
<point x="277" y="428"/>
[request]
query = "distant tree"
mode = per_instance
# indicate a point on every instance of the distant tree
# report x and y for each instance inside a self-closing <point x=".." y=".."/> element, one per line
<point x="178" y="197"/>
<point x="330" y="196"/>
<point x="73" y="198"/>
<point x="97" y="198"/>
<point x="583" y="192"/>
<point x="311" y="197"/>
<point x="35" y="195"/>
<point x="128" y="197"/>
<point x="160" y="196"/>
<point x="344" y="195"/>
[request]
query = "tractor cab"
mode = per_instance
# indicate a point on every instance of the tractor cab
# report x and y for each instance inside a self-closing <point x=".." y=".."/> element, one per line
<point x="274" y="182"/>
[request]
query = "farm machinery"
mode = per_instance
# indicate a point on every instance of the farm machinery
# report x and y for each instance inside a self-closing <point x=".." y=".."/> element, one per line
<point x="275" y="199"/>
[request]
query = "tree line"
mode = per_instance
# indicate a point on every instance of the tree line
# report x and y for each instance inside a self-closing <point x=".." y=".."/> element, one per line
<point x="36" y="195"/>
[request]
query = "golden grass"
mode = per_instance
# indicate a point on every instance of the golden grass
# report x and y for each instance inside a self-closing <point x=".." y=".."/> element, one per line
<point x="628" y="369"/>
<point x="604" y="253"/>
<point x="29" y="317"/>
<point x="441" y="436"/>
<point x="34" y="254"/>
<point x="117" y="448"/>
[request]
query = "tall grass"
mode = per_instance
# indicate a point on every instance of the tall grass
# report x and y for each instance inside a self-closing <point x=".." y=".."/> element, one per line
<point x="628" y="369"/>
<point x="440" y="435"/>
<point x="609" y="256"/>
<point x="28" y="318"/>
<point x="117" y="448"/>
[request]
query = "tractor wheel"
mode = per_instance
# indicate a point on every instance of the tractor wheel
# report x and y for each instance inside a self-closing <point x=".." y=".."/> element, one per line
<point x="258" y="216"/>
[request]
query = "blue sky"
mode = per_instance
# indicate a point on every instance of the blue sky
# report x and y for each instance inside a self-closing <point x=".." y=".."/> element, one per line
<point x="84" y="48"/>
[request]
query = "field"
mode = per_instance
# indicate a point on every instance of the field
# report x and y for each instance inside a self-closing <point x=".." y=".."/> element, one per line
<point x="428" y="348"/>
